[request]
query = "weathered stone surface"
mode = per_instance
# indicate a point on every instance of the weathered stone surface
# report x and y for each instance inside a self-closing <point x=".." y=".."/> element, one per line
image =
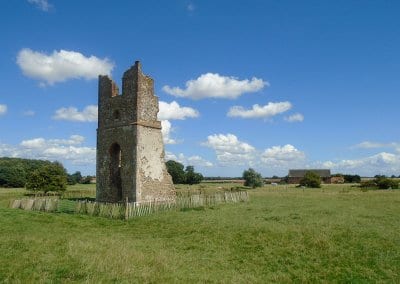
<point x="130" y="150"/>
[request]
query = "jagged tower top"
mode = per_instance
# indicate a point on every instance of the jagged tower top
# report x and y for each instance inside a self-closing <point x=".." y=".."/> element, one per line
<point x="136" y="104"/>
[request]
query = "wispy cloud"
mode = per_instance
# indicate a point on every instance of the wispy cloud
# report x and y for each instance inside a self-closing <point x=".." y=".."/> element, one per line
<point x="88" y="114"/>
<point x="3" y="109"/>
<point x="213" y="85"/>
<point x="257" y="111"/>
<point x="375" y="145"/>
<point x="61" y="66"/>
<point x="191" y="7"/>
<point x="297" y="117"/>
<point x="43" y="5"/>
<point x="28" y="113"/>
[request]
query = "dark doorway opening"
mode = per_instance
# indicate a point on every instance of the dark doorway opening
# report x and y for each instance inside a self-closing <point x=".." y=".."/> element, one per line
<point x="115" y="171"/>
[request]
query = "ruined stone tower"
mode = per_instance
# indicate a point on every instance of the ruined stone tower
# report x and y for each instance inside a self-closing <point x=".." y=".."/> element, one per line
<point x="130" y="149"/>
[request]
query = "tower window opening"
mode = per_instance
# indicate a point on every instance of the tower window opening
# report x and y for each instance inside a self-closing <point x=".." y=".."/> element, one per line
<point x="116" y="115"/>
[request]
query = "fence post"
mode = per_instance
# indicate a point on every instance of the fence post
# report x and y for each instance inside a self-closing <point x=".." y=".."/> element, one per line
<point x="126" y="209"/>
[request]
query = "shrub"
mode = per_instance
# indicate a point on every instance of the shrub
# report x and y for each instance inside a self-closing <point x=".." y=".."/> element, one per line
<point x="352" y="178"/>
<point x="386" y="183"/>
<point x="380" y="182"/>
<point x="311" y="179"/>
<point x="368" y="184"/>
<point x="52" y="177"/>
<point x="252" y="178"/>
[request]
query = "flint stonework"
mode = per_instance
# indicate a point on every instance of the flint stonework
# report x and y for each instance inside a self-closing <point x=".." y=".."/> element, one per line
<point x="130" y="149"/>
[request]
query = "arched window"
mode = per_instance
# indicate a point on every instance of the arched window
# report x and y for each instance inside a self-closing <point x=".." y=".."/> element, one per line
<point x="115" y="170"/>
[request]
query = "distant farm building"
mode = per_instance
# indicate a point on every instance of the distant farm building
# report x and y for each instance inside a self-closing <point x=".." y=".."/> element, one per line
<point x="295" y="176"/>
<point x="337" y="179"/>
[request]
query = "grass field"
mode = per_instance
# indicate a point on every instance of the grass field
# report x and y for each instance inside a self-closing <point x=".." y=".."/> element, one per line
<point x="284" y="234"/>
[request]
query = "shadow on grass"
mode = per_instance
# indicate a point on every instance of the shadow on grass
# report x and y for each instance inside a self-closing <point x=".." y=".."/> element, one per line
<point x="201" y="208"/>
<point x="92" y="199"/>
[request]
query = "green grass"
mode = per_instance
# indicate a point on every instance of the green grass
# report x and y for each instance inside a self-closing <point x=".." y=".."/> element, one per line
<point x="284" y="234"/>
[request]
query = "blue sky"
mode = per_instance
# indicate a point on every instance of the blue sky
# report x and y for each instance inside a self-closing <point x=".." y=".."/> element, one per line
<point x="271" y="85"/>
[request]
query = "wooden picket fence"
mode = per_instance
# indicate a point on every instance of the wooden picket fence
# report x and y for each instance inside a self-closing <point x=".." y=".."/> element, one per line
<point x="128" y="210"/>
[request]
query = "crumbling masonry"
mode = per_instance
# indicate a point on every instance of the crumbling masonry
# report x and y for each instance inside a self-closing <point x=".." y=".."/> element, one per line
<point x="130" y="149"/>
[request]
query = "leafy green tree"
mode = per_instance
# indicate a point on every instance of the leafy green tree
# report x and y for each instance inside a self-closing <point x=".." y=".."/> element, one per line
<point x="176" y="171"/>
<point x="74" y="178"/>
<point x="52" y="177"/>
<point x="181" y="176"/>
<point x="252" y="178"/>
<point x="14" y="171"/>
<point x="311" y="179"/>
<point x="191" y="177"/>
<point x="12" y="176"/>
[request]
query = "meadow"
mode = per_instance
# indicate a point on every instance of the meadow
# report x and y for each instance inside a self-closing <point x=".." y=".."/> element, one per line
<point x="283" y="234"/>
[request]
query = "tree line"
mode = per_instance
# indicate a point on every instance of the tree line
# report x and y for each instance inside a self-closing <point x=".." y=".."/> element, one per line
<point x="52" y="176"/>
<point x="14" y="172"/>
<point x="37" y="175"/>
<point x="41" y="175"/>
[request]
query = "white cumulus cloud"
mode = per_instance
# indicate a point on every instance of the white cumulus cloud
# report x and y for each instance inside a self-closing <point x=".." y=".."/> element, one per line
<point x="173" y="110"/>
<point x="166" y="129"/>
<point x="381" y="163"/>
<point x="297" y="117"/>
<point x="61" y="65"/>
<point x="35" y="143"/>
<point x="88" y="114"/>
<point x="198" y="161"/>
<point x="282" y="155"/>
<point x="41" y="142"/>
<point x="41" y="4"/>
<point x="213" y="85"/>
<point x="64" y="150"/>
<point x="257" y="111"/>
<point x="3" y="109"/>
<point x="229" y="149"/>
